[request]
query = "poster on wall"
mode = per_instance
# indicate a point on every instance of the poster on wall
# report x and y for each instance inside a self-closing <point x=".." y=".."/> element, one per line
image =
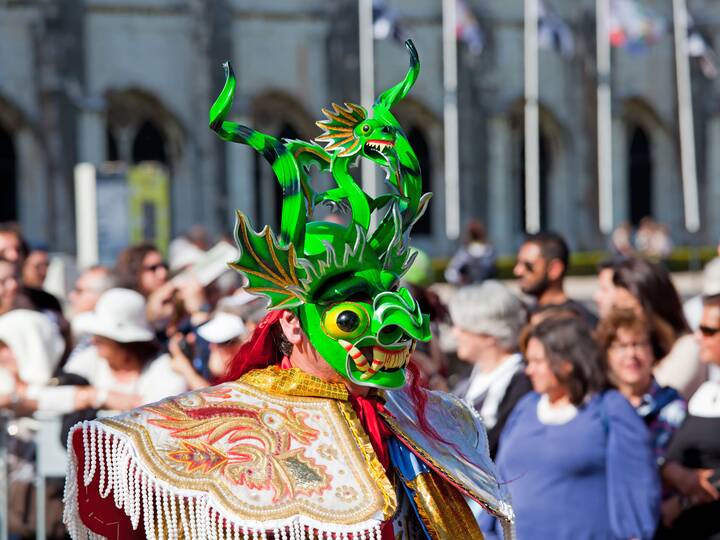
<point x="117" y="206"/>
<point x="149" y="204"/>
<point x="112" y="212"/>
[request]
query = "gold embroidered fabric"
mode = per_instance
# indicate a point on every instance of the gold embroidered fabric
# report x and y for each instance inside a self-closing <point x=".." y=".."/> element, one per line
<point x="443" y="509"/>
<point x="293" y="382"/>
<point x="374" y="466"/>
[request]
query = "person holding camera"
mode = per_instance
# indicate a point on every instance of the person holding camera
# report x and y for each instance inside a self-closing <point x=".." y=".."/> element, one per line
<point x="225" y="334"/>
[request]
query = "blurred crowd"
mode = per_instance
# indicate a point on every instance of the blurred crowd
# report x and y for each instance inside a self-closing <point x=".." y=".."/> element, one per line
<point x="124" y="336"/>
<point x="603" y="417"/>
<point x="651" y="240"/>
<point x="603" y="423"/>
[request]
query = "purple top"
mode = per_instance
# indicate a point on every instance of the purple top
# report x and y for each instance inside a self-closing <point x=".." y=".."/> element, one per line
<point x="593" y="477"/>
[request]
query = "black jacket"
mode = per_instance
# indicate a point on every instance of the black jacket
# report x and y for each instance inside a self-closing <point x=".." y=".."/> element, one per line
<point x="518" y="387"/>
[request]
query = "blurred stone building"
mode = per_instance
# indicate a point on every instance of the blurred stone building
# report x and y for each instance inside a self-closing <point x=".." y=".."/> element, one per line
<point x="132" y="80"/>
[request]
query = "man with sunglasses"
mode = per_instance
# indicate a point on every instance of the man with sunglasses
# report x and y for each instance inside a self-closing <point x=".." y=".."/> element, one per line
<point x="694" y="453"/>
<point x="542" y="263"/>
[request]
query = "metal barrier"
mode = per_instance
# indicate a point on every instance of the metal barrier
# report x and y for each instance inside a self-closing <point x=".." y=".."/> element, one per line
<point x="5" y="418"/>
<point x="51" y="463"/>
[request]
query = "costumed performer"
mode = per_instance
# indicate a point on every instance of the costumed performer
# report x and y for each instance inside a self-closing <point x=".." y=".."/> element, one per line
<point x="320" y="431"/>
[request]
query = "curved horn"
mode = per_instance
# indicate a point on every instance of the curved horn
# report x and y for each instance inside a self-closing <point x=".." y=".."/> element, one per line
<point x="283" y="163"/>
<point x="395" y="93"/>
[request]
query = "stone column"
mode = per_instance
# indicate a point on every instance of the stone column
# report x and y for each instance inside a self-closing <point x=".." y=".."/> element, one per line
<point x="620" y="196"/>
<point x="32" y="186"/>
<point x="92" y="138"/>
<point x="710" y="199"/>
<point x="667" y="182"/>
<point x="501" y="188"/>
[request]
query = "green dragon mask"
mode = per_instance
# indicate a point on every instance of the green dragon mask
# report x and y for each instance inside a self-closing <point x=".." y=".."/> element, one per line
<point x="342" y="282"/>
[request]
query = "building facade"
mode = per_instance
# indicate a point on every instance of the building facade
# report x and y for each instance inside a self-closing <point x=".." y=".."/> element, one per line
<point x="132" y="80"/>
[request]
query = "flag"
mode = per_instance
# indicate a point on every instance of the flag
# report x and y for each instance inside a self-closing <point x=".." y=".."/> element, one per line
<point x="634" y="27"/>
<point x="386" y="23"/>
<point x="698" y="48"/>
<point x="553" y="32"/>
<point x="467" y="28"/>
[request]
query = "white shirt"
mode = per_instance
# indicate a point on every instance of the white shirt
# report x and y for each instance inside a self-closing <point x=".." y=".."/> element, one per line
<point x="706" y="400"/>
<point x="492" y="386"/>
<point x="549" y="415"/>
<point x="157" y="380"/>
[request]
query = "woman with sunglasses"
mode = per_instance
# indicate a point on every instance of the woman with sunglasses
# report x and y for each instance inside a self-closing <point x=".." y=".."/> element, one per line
<point x="693" y="458"/>
<point x="141" y="268"/>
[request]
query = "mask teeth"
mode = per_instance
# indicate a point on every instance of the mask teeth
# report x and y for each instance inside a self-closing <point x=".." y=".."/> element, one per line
<point x="377" y="363"/>
<point x="374" y="368"/>
<point x="397" y="359"/>
<point x="354" y="353"/>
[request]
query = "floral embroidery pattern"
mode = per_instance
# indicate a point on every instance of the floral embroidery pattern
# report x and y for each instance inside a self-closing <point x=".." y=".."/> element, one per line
<point x="247" y="445"/>
<point x="203" y="457"/>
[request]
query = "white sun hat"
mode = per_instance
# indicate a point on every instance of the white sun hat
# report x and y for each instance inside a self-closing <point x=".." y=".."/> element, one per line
<point x="222" y="327"/>
<point x="119" y="315"/>
<point x="36" y="343"/>
<point x="711" y="278"/>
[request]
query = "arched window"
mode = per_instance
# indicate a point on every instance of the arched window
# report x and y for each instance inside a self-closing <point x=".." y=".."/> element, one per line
<point x="419" y="144"/>
<point x="149" y="144"/>
<point x="545" y="162"/>
<point x="111" y="144"/>
<point x="8" y="178"/>
<point x="639" y="174"/>
<point x="268" y="193"/>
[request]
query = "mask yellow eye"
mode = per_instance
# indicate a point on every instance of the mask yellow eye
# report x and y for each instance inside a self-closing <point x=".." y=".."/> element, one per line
<point x="366" y="128"/>
<point x="346" y="321"/>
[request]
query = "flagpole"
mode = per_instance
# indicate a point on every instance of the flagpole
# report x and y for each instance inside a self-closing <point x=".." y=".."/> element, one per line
<point x="685" y="118"/>
<point x="532" y="131"/>
<point x="450" y="118"/>
<point x="367" y="84"/>
<point x="604" y="118"/>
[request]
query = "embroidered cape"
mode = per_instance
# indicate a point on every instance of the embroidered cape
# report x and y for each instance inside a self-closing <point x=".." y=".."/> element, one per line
<point x="277" y="454"/>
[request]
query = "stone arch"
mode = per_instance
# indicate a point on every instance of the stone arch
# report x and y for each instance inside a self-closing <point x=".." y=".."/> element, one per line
<point x="424" y="131"/>
<point x="648" y="165"/>
<point x="279" y="114"/>
<point x="8" y="176"/>
<point x="22" y="157"/>
<point x="140" y="128"/>
<point x="552" y="156"/>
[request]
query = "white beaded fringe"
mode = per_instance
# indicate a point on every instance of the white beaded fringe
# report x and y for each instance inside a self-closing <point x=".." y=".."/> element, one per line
<point x="165" y="515"/>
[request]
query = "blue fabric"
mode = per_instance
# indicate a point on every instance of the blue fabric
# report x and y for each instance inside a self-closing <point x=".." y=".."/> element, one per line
<point x="408" y="467"/>
<point x="663" y="410"/>
<point x="591" y="478"/>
